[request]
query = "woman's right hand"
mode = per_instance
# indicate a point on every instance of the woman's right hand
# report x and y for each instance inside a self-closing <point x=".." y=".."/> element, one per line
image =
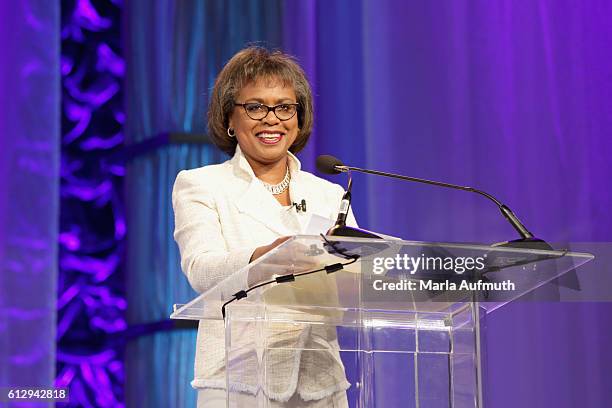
<point x="262" y="250"/>
<point x="257" y="275"/>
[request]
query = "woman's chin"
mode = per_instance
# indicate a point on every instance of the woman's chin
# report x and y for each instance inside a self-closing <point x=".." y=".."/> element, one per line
<point x="272" y="157"/>
<point x="272" y="153"/>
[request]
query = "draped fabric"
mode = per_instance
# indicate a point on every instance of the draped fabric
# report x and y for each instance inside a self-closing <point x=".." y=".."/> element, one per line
<point x="29" y="183"/>
<point x="174" y="50"/>
<point x="161" y="363"/>
<point x="510" y="97"/>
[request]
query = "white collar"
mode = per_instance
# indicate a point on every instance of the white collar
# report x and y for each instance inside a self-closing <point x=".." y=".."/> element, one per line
<point x="257" y="202"/>
<point x="239" y="160"/>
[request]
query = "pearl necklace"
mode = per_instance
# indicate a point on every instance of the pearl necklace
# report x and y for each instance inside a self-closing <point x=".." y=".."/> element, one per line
<point x="279" y="188"/>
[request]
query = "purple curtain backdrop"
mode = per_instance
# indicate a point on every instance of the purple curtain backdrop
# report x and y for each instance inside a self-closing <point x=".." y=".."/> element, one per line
<point x="91" y="303"/>
<point x="510" y="97"/>
<point x="29" y="183"/>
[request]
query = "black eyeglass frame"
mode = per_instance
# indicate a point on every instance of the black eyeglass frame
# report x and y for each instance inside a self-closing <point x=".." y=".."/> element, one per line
<point x="268" y="109"/>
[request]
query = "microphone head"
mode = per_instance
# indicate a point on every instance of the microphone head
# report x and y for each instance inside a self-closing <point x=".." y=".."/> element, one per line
<point x="326" y="164"/>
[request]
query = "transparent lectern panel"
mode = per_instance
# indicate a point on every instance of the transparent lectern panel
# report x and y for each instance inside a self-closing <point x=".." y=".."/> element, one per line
<point x="388" y="329"/>
<point x="434" y="271"/>
<point x="278" y="360"/>
<point x="274" y="355"/>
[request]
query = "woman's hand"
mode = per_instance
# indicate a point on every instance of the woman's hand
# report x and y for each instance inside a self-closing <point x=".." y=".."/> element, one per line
<point x="257" y="275"/>
<point x="262" y="250"/>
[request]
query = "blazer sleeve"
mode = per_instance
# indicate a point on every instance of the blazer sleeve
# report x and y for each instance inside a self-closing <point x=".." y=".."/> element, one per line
<point x="205" y="258"/>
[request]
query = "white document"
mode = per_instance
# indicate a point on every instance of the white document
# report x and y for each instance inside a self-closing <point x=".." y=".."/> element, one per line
<point x="318" y="225"/>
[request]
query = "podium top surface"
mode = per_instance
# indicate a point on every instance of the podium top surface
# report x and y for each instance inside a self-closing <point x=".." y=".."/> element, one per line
<point x="381" y="277"/>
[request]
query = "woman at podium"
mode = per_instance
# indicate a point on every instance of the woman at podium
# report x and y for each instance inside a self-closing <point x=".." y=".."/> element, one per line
<point x="227" y="215"/>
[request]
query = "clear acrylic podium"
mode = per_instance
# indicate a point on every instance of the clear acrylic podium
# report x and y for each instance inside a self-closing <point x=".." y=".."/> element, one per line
<point x="394" y="335"/>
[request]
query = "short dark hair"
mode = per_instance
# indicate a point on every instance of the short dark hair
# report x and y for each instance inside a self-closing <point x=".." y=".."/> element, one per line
<point x="247" y="66"/>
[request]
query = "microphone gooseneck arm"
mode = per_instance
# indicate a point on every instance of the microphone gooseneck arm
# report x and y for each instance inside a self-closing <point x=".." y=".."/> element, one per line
<point x="345" y="204"/>
<point x="505" y="210"/>
<point x="349" y="185"/>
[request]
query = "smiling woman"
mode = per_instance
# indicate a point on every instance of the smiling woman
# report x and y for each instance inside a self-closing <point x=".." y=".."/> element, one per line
<point x="230" y="214"/>
<point x="262" y="136"/>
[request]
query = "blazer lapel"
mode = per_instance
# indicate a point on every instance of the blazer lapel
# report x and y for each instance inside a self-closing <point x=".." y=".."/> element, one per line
<point x="259" y="204"/>
<point x="256" y="201"/>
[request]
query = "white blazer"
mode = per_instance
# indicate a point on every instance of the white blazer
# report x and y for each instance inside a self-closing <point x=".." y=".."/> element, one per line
<point x="222" y="213"/>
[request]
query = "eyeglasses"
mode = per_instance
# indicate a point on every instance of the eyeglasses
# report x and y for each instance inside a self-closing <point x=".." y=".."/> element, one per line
<point x="258" y="111"/>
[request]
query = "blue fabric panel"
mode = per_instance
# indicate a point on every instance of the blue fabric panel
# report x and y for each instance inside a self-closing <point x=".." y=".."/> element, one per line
<point x="29" y="190"/>
<point x="174" y="50"/>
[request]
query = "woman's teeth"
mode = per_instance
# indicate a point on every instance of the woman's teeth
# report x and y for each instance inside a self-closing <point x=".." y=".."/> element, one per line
<point x="269" y="138"/>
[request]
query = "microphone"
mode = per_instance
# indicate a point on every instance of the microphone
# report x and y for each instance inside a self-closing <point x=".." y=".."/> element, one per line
<point x="331" y="165"/>
<point x="327" y="164"/>
<point x="301" y="207"/>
